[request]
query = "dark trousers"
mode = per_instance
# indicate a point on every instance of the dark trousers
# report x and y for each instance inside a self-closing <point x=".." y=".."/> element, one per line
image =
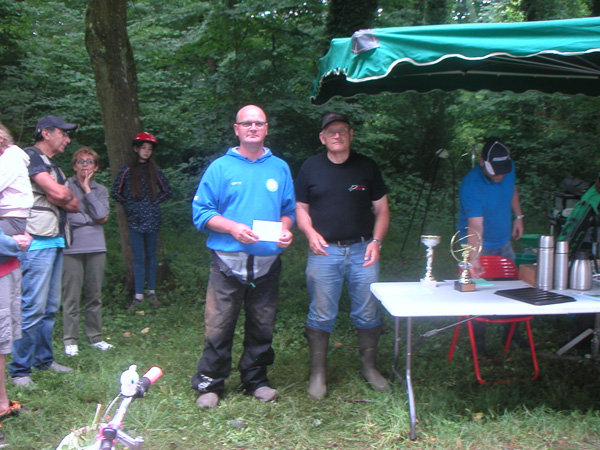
<point x="225" y="297"/>
<point x="145" y="262"/>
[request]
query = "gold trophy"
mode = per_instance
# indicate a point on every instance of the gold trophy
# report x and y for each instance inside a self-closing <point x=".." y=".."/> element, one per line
<point x="430" y="241"/>
<point x="461" y="250"/>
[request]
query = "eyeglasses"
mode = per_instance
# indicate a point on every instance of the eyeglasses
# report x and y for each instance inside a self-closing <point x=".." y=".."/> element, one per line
<point x="86" y="161"/>
<point x="248" y="124"/>
<point x="332" y="133"/>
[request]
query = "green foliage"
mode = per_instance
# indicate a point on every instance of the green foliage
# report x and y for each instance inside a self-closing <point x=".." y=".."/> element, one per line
<point x="221" y="57"/>
<point x="11" y="33"/>
<point x="553" y="9"/>
<point x="54" y="76"/>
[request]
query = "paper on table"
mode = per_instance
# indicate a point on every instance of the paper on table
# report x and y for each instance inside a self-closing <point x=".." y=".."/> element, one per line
<point x="590" y="295"/>
<point x="267" y="230"/>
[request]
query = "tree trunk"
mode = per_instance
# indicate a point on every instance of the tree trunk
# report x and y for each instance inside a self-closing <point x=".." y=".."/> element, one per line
<point x="108" y="45"/>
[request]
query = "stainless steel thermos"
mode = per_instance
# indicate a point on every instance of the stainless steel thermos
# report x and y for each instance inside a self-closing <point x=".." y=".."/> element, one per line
<point x="545" y="269"/>
<point x="561" y="265"/>
<point x="581" y="271"/>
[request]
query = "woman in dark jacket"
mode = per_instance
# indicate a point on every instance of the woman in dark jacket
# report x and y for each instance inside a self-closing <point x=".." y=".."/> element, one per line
<point x="140" y="187"/>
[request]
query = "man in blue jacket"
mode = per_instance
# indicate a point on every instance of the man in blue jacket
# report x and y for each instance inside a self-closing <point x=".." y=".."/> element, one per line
<point x="488" y="195"/>
<point x="245" y="185"/>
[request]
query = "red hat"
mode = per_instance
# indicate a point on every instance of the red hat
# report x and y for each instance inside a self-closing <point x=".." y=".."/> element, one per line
<point x="145" y="137"/>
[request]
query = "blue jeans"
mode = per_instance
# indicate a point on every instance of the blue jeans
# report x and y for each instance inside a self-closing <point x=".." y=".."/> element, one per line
<point x="145" y="265"/>
<point x="325" y="277"/>
<point x="505" y="251"/>
<point x="41" y="282"/>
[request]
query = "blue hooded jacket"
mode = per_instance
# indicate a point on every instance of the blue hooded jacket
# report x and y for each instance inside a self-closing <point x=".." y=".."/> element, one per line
<point x="243" y="190"/>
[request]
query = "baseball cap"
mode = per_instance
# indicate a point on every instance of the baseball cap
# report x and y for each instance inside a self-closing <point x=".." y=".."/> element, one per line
<point x="53" y="122"/>
<point x="333" y="117"/>
<point x="496" y="157"/>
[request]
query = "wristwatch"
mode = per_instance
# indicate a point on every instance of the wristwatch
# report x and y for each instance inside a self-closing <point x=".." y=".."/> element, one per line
<point x="378" y="242"/>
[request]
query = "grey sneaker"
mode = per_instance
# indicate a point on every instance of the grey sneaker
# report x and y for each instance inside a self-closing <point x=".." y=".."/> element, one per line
<point x="22" y="381"/>
<point x="134" y="304"/>
<point x="153" y="300"/>
<point x="208" y="400"/>
<point x="265" y="394"/>
<point x="56" y="367"/>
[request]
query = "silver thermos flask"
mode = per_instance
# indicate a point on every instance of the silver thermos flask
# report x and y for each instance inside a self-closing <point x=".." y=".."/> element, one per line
<point x="581" y="271"/>
<point x="561" y="265"/>
<point x="545" y="266"/>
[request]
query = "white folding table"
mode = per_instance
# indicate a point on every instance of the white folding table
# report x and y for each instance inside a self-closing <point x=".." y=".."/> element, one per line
<point x="411" y="299"/>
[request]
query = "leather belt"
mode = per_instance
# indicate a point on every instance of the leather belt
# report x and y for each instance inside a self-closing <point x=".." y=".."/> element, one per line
<point x="347" y="242"/>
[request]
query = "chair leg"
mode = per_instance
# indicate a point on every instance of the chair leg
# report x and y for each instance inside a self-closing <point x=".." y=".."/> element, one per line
<point x="511" y="332"/>
<point x="474" y="352"/>
<point x="536" y="369"/>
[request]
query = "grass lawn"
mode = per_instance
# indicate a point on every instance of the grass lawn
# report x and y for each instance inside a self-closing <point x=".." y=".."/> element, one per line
<point x="557" y="411"/>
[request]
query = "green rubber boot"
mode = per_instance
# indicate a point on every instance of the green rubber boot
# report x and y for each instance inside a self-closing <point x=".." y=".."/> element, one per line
<point x="367" y="348"/>
<point x="318" y="342"/>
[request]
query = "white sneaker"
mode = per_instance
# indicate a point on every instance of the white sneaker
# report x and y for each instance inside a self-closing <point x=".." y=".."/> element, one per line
<point x="71" y="350"/>
<point x="103" y="345"/>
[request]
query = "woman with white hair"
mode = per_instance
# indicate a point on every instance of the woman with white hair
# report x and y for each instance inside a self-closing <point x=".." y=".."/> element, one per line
<point x="16" y="197"/>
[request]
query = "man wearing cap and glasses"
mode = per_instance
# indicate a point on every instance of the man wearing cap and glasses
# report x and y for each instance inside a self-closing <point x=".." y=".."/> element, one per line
<point x="488" y="194"/>
<point x="41" y="265"/>
<point x="342" y="208"/>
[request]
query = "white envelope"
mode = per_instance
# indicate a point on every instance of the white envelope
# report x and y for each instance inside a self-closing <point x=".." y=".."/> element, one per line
<point x="267" y="230"/>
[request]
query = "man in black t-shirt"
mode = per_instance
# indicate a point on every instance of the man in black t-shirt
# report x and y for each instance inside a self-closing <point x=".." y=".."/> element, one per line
<point x="342" y="208"/>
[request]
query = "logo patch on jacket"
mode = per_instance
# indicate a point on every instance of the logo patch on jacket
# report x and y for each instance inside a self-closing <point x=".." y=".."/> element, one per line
<point x="357" y="187"/>
<point x="272" y="185"/>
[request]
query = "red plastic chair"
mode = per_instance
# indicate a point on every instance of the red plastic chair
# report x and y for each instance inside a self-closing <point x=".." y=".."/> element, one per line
<point x="497" y="267"/>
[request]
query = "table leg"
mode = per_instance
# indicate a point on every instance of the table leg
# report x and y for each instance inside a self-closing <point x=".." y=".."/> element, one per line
<point x="409" y="389"/>
<point x="595" y="332"/>
<point x="394" y="374"/>
<point x="596" y="338"/>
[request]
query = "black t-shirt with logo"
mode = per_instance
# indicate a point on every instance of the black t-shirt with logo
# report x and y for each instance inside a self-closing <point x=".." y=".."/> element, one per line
<point x="340" y="196"/>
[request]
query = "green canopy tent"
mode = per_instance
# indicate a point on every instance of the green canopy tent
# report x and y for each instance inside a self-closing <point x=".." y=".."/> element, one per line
<point x="561" y="56"/>
<point x="548" y="56"/>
